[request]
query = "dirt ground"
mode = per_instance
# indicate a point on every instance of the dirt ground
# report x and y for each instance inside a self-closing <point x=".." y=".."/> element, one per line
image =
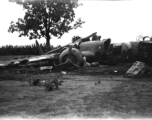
<point x="95" y="92"/>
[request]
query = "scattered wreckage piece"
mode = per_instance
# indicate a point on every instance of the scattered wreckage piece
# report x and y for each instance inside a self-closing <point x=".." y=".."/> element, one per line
<point x="50" y="84"/>
<point x="2" y="65"/>
<point x="34" y="82"/>
<point x="94" y="64"/>
<point x="46" y="67"/>
<point x="136" y="70"/>
<point x="88" y="64"/>
<point x="54" y="82"/>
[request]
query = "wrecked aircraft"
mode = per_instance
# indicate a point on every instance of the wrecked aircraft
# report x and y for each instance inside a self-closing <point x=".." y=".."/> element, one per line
<point x="69" y="56"/>
<point x="76" y="54"/>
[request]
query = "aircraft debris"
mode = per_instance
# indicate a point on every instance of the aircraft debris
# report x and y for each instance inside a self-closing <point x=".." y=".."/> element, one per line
<point x="34" y="82"/>
<point x="84" y="53"/>
<point x="2" y="65"/>
<point x="88" y="64"/>
<point x="63" y="72"/>
<point x="42" y="82"/>
<point x="46" y="68"/>
<point x="136" y="70"/>
<point x="94" y="64"/>
<point x="49" y="84"/>
<point x="53" y="83"/>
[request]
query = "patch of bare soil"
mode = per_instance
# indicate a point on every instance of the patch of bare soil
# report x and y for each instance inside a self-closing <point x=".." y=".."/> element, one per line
<point x="88" y="92"/>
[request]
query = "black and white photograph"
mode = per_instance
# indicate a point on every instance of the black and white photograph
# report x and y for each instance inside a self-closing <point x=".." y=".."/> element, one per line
<point x="75" y="59"/>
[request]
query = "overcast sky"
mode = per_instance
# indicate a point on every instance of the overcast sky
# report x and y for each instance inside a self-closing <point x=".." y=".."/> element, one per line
<point x="119" y="20"/>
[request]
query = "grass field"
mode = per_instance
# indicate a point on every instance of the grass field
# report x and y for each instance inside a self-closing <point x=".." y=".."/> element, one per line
<point x="95" y="92"/>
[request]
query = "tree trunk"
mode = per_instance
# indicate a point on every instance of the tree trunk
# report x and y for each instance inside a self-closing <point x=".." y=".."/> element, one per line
<point x="47" y="40"/>
<point x="48" y="44"/>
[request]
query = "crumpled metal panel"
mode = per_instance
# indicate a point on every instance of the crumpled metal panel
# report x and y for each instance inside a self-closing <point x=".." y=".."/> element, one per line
<point x="136" y="70"/>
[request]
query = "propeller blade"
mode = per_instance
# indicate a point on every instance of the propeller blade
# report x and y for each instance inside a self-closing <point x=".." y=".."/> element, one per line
<point x="75" y="65"/>
<point x="62" y="64"/>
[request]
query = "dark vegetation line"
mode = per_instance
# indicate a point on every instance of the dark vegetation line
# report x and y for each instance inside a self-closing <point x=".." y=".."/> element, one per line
<point x="24" y="50"/>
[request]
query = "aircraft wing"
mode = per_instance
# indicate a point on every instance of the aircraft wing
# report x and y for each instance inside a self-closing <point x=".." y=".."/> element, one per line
<point x="32" y="59"/>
